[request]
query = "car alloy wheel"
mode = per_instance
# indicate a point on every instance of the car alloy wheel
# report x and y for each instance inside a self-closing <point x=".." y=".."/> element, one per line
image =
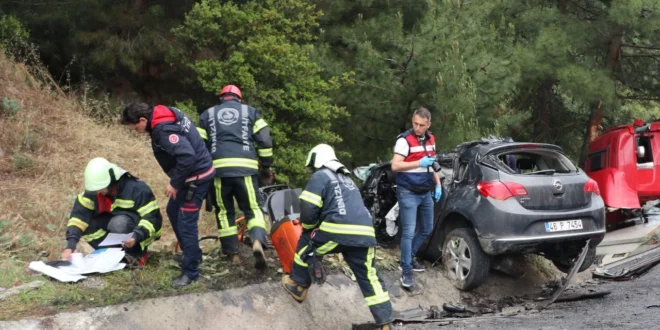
<point x="465" y="263"/>
<point x="460" y="259"/>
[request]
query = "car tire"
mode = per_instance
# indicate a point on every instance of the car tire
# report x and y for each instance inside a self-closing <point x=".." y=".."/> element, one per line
<point x="465" y="262"/>
<point x="589" y="259"/>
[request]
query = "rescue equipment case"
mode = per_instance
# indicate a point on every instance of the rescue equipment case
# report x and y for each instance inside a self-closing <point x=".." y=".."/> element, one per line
<point x="284" y="212"/>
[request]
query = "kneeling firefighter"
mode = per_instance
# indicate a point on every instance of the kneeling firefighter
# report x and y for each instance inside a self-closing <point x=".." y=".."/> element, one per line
<point x="335" y="220"/>
<point x="114" y="201"/>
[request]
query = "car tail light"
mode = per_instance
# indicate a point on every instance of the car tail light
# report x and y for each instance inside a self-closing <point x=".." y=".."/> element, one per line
<point x="501" y="190"/>
<point x="591" y="187"/>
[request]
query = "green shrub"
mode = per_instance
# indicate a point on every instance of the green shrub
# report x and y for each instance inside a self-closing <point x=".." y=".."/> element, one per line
<point x="9" y="106"/>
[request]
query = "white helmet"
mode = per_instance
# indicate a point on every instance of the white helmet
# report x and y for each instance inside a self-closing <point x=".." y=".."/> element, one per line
<point x="320" y="155"/>
<point x="98" y="176"/>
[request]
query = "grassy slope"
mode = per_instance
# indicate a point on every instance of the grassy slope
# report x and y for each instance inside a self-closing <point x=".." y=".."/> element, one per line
<point x="44" y="148"/>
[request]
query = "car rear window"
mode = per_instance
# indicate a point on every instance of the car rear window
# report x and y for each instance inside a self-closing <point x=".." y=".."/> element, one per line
<point x="532" y="162"/>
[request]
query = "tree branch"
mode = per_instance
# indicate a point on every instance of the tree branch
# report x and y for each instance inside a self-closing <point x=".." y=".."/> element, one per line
<point x="641" y="55"/>
<point x="405" y="66"/>
<point x="373" y="138"/>
<point x="583" y="8"/>
<point x="642" y="47"/>
<point x="640" y="97"/>
<point x="372" y="86"/>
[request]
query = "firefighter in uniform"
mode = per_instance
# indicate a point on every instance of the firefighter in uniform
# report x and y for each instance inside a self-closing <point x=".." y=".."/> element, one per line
<point x="181" y="153"/>
<point x="239" y="142"/>
<point x="114" y="201"/>
<point x="335" y="220"/>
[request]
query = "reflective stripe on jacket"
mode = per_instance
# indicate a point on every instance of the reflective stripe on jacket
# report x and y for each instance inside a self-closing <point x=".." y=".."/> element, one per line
<point x="332" y="203"/>
<point x="178" y="146"/>
<point x="132" y="197"/>
<point x="237" y="137"/>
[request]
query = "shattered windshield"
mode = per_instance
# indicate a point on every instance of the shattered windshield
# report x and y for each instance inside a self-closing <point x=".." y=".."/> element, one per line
<point x="531" y="162"/>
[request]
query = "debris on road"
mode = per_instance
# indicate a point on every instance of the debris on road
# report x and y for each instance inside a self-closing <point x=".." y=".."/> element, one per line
<point x="18" y="289"/>
<point x="631" y="267"/>
<point x="543" y="305"/>
<point x="582" y="296"/>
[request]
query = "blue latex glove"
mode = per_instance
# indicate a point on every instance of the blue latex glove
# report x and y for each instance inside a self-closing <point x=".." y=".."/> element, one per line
<point x="438" y="193"/>
<point x="426" y="161"/>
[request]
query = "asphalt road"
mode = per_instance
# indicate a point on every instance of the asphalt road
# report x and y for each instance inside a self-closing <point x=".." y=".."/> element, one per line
<point x="626" y="308"/>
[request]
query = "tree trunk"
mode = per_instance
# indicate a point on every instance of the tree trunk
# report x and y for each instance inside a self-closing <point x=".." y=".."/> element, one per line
<point x="596" y="115"/>
<point x="140" y="6"/>
<point x="543" y="106"/>
<point x="563" y="6"/>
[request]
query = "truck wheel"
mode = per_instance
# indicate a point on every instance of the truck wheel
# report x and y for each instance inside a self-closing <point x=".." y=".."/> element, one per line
<point x="565" y="265"/>
<point x="465" y="263"/>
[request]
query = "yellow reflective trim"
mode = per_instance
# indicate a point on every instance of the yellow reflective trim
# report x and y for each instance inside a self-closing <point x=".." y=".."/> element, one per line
<point x="148" y="226"/>
<point x="268" y="152"/>
<point x="202" y="133"/>
<point x="377" y="299"/>
<point x="150" y="207"/>
<point x="337" y="228"/>
<point x="236" y="162"/>
<point x="312" y="198"/>
<point x="86" y="202"/>
<point x="145" y="243"/>
<point x="373" y="278"/>
<point x="306" y="226"/>
<point x="96" y="235"/>
<point x="123" y="203"/>
<point x="223" y="221"/>
<point x="258" y="220"/>
<point x="297" y="258"/>
<point x="231" y="231"/>
<point x="78" y="223"/>
<point x="258" y="125"/>
<point x="325" y="248"/>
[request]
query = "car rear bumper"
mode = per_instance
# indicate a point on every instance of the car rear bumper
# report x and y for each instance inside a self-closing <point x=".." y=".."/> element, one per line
<point x="523" y="244"/>
<point x="507" y="227"/>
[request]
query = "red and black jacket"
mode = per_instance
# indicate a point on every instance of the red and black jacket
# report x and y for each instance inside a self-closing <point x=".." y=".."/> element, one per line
<point x="178" y="147"/>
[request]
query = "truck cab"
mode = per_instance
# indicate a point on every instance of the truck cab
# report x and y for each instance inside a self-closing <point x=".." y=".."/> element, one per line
<point x="624" y="161"/>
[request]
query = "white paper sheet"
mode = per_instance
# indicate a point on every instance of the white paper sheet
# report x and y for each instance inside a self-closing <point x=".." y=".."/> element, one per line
<point x="58" y="274"/>
<point x="99" y="261"/>
<point x="115" y="239"/>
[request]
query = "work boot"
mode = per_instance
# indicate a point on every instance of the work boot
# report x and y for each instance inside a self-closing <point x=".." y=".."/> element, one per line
<point x="235" y="259"/>
<point x="182" y="280"/>
<point x="387" y="326"/>
<point x="406" y="279"/>
<point x="298" y="292"/>
<point x="259" y="256"/>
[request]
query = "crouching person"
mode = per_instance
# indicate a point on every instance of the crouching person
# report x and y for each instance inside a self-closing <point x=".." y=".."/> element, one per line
<point x="114" y="201"/>
<point x="335" y="220"/>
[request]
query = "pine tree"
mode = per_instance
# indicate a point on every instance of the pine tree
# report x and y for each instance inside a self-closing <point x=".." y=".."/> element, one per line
<point x="265" y="48"/>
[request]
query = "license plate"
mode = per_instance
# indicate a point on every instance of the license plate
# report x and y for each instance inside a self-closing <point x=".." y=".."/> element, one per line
<point x="563" y="225"/>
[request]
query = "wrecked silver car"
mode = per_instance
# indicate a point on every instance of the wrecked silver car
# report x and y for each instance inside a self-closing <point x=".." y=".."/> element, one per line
<point x="498" y="198"/>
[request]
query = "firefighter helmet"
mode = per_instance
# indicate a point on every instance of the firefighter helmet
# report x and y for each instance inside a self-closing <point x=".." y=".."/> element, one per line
<point x="100" y="173"/>
<point x="320" y="155"/>
<point x="231" y="89"/>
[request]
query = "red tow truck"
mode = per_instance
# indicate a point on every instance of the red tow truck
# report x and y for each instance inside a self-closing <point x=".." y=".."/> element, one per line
<point x="625" y="162"/>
